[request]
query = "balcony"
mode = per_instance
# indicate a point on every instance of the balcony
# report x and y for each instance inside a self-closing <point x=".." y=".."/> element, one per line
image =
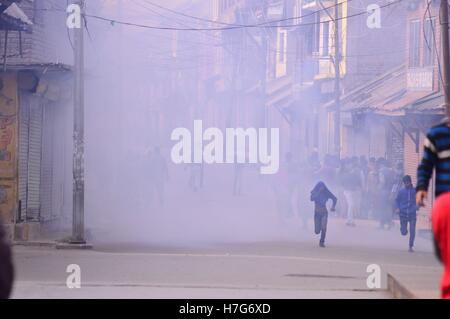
<point x="420" y="79"/>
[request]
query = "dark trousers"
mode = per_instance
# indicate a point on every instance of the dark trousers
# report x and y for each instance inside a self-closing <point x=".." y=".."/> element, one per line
<point x="320" y="225"/>
<point x="404" y="220"/>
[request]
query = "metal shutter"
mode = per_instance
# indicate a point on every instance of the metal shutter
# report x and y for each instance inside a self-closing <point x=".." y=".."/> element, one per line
<point x="46" y="193"/>
<point x="24" y="115"/>
<point x="30" y="146"/>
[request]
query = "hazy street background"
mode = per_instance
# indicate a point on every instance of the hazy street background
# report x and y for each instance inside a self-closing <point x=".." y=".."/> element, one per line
<point x="281" y="269"/>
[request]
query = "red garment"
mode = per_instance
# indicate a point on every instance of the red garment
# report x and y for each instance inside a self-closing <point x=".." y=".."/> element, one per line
<point x="441" y="230"/>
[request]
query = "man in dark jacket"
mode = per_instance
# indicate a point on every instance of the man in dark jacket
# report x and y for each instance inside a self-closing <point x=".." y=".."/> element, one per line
<point x="436" y="156"/>
<point x="407" y="209"/>
<point x="6" y="267"/>
<point x="320" y="196"/>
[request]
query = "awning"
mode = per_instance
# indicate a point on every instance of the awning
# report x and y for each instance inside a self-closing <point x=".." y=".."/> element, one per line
<point x="12" y="18"/>
<point x="388" y="95"/>
<point x="368" y="97"/>
<point x="39" y="67"/>
<point x="399" y="105"/>
<point x="431" y="104"/>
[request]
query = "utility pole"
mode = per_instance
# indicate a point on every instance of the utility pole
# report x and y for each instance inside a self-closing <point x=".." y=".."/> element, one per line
<point x="445" y="53"/>
<point x="337" y="83"/>
<point x="78" y="134"/>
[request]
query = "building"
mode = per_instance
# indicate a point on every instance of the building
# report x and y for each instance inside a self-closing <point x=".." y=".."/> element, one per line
<point x="252" y="83"/>
<point x="390" y="115"/>
<point x="36" y="112"/>
<point x="365" y="32"/>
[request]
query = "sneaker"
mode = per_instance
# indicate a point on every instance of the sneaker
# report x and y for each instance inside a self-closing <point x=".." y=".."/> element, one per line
<point x="411" y="250"/>
<point x="322" y="245"/>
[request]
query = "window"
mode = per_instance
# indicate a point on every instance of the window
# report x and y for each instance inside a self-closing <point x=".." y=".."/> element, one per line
<point x="326" y="39"/>
<point x="428" y="42"/>
<point x="414" y="43"/>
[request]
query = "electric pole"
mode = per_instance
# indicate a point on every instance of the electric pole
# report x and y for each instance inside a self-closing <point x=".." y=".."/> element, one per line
<point x="445" y="53"/>
<point x="337" y="83"/>
<point x="78" y="134"/>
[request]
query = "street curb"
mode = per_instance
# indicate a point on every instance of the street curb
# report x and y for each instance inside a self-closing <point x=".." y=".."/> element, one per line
<point x="34" y="244"/>
<point x="397" y="290"/>
<point x="73" y="246"/>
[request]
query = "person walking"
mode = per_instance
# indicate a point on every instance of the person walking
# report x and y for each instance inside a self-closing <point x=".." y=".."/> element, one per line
<point x="350" y="182"/>
<point x="398" y="185"/>
<point x="386" y="183"/>
<point x="320" y="196"/>
<point x="407" y="210"/>
<point x="372" y="189"/>
<point x="364" y="203"/>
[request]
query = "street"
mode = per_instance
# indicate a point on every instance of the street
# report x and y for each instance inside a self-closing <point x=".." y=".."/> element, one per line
<point x="276" y="269"/>
<point x="224" y="149"/>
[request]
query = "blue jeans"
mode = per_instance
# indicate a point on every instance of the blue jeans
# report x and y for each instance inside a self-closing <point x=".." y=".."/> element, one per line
<point x="404" y="220"/>
<point x="320" y="225"/>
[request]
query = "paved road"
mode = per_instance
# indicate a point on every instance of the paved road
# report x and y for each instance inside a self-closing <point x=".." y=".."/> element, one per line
<point x="210" y="244"/>
<point x="275" y="269"/>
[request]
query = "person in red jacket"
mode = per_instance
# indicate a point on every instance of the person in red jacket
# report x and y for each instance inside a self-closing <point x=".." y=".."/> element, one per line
<point x="441" y="230"/>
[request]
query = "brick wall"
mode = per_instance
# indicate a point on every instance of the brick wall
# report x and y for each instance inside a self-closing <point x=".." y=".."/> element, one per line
<point x="371" y="52"/>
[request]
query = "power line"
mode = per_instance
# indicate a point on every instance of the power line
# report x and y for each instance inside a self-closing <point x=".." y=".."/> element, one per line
<point x="115" y="21"/>
<point x="241" y="25"/>
<point x="273" y="50"/>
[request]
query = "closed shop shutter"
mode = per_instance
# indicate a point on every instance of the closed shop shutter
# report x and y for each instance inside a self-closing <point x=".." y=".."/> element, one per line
<point x="24" y="117"/>
<point x="395" y="144"/>
<point x="30" y="142"/>
<point x="46" y="193"/>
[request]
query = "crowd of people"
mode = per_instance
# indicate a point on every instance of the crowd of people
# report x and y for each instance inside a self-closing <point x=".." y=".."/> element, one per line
<point x="366" y="188"/>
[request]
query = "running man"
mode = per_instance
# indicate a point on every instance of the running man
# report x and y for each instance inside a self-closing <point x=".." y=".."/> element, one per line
<point x="320" y="196"/>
